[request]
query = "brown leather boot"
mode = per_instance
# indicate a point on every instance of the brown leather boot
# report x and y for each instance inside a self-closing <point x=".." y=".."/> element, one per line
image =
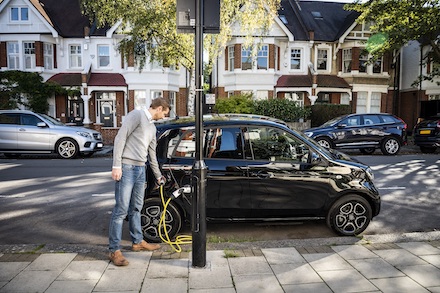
<point x="117" y="258"/>
<point x="144" y="246"/>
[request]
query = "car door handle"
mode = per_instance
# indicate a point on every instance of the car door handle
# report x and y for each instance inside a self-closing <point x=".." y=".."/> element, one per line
<point x="21" y="129"/>
<point x="261" y="174"/>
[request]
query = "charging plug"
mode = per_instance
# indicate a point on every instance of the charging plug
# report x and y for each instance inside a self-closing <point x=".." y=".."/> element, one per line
<point x="185" y="189"/>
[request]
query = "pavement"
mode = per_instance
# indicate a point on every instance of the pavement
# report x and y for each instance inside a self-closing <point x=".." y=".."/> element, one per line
<point x="371" y="263"/>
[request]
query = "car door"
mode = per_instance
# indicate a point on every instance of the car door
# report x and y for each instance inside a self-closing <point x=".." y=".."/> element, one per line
<point x="284" y="182"/>
<point x="9" y="123"/>
<point x="227" y="190"/>
<point x="372" y="129"/>
<point x="31" y="136"/>
<point x="347" y="131"/>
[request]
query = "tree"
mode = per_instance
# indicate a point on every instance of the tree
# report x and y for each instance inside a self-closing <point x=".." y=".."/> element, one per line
<point x="151" y="32"/>
<point x="401" y="21"/>
<point x="27" y="89"/>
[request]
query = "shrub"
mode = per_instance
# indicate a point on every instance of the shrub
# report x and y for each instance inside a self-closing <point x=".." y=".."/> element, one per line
<point x="285" y="110"/>
<point x="235" y="104"/>
<point x="321" y="113"/>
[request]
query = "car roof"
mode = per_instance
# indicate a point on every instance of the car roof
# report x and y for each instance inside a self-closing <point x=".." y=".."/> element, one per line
<point x="219" y="119"/>
<point x="15" y="111"/>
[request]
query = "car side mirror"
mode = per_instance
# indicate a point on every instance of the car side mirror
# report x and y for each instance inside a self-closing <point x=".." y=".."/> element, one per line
<point x="41" y="124"/>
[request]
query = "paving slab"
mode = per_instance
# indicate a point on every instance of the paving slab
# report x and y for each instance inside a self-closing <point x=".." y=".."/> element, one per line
<point x="354" y="252"/>
<point x="327" y="261"/>
<point x="375" y="268"/>
<point x="419" y="248"/>
<point x="249" y="266"/>
<point x="399" y="257"/>
<point x="288" y="255"/>
<point x="258" y="283"/>
<point x="425" y="275"/>
<point x="398" y="285"/>
<point x="295" y="274"/>
<point x="341" y="281"/>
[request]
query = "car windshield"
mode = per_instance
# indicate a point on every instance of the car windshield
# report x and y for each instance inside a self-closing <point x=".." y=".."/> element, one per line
<point x="52" y="120"/>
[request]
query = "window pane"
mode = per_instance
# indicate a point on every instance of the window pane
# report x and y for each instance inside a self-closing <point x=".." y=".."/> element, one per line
<point x="322" y="59"/>
<point x="246" y="59"/>
<point x="14" y="14"/>
<point x="295" y="59"/>
<point x="262" y="58"/>
<point x="24" y="13"/>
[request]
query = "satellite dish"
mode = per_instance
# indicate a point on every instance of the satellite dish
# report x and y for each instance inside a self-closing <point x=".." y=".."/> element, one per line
<point x="376" y="42"/>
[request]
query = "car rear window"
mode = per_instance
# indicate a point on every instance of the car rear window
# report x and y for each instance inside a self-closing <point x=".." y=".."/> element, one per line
<point x="389" y="119"/>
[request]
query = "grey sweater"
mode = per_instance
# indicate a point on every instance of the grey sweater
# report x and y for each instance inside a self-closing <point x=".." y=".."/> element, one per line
<point x="136" y="142"/>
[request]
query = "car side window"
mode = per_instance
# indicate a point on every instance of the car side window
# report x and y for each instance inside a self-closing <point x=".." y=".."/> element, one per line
<point x="218" y="143"/>
<point x="371" y="119"/>
<point x="9" y="118"/>
<point x="30" y="120"/>
<point x="273" y="144"/>
<point x="184" y="145"/>
<point x="388" y="119"/>
<point x="351" y="121"/>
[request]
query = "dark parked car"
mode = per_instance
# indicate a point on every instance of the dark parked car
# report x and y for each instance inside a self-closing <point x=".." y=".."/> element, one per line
<point x="427" y="134"/>
<point x="26" y="132"/>
<point x="259" y="170"/>
<point x="365" y="132"/>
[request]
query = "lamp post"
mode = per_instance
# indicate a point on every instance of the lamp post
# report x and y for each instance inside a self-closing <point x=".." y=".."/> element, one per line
<point x="199" y="167"/>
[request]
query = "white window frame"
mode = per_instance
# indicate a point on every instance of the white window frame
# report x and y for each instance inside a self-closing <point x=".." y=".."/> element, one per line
<point x="297" y="97"/>
<point x="103" y="56"/>
<point x="378" y="62"/>
<point x="231" y="58"/>
<point x="141" y="100"/>
<point x="322" y="59"/>
<point x="13" y="49"/>
<point x="154" y="94"/>
<point x="29" y="57"/>
<point x="368" y="102"/>
<point x="263" y="55"/>
<point x="246" y="54"/>
<point x="346" y="60"/>
<point x="296" y="55"/>
<point x="75" y="57"/>
<point x="48" y="55"/>
<point x="20" y="10"/>
<point x="363" y="62"/>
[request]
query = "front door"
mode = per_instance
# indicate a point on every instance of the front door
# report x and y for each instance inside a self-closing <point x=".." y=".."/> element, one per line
<point x="107" y="113"/>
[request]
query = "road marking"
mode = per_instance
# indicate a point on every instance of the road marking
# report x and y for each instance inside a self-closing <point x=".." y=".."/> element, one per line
<point x="393" y="188"/>
<point x="103" y="194"/>
<point x="12" y="195"/>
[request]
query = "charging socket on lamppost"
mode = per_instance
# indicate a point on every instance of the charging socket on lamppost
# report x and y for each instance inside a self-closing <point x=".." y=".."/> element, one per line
<point x="185" y="189"/>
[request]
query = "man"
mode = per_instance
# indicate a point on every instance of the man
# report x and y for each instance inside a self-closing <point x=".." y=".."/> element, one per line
<point x="134" y="143"/>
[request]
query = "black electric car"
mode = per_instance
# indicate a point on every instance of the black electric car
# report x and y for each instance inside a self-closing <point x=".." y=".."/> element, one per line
<point x="258" y="170"/>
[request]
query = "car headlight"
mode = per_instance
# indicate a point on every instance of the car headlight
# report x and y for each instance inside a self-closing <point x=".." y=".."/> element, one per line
<point x="370" y="173"/>
<point x="85" y="134"/>
<point x="309" y="134"/>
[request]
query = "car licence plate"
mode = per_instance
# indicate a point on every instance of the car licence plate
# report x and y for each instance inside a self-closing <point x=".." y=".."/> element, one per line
<point x="425" y="132"/>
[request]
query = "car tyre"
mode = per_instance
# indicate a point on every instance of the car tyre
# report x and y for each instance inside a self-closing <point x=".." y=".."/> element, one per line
<point x="367" y="151"/>
<point x="349" y="215"/>
<point x="324" y="142"/>
<point x="427" y="150"/>
<point x="390" y="146"/>
<point x="67" y="148"/>
<point x="150" y="218"/>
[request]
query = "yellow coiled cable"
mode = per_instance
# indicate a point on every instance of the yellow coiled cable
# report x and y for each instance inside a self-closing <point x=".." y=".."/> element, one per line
<point x="181" y="239"/>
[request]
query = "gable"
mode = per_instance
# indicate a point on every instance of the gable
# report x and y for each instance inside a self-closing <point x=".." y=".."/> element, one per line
<point x="37" y="20"/>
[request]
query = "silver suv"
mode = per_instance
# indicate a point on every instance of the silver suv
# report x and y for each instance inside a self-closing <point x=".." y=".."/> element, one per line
<point x="26" y="132"/>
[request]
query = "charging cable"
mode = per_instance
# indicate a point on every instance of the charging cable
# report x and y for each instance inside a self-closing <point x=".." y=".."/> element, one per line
<point x="181" y="239"/>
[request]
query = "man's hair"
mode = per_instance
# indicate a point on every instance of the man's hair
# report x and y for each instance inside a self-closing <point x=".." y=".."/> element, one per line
<point x="160" y="102"/>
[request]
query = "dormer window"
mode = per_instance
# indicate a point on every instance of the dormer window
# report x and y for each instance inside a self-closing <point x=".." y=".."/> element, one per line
<point x="19" y="14"/>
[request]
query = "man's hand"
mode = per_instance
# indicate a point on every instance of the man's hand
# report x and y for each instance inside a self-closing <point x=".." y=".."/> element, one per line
<point x="117" y="174"/>
<point x="161" y="181"/>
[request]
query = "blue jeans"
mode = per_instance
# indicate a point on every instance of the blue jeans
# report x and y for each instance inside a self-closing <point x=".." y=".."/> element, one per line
<point x="129" y="196"/>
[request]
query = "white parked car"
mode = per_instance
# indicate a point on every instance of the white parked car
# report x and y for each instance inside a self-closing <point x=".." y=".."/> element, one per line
<point x="26" y="132"/>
